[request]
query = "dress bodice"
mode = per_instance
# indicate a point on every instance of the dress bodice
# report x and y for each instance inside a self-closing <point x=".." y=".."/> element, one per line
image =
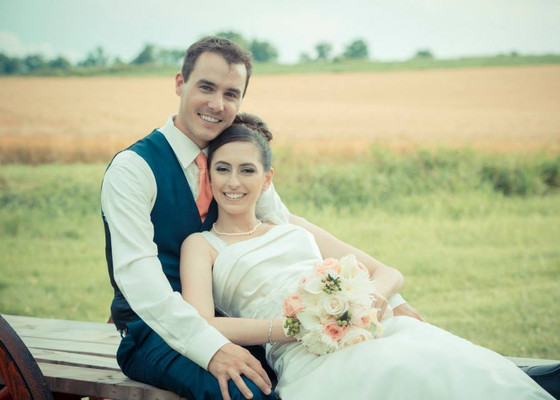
<point x="252" y="277"/>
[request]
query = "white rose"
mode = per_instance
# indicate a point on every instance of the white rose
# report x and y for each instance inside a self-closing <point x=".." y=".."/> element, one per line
<point x="360" y="317"/>
<point x="335" y="304"/>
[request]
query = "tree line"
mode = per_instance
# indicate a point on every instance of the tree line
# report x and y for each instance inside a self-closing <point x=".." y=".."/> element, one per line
<point x="151" y="54"/>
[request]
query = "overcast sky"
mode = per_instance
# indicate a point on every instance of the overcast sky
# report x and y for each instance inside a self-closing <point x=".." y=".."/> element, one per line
<point x="393" y="29"/>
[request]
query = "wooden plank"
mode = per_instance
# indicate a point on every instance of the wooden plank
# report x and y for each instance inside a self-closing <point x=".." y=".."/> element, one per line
<point x="100" y="383"/>
<point x="77" y="360"/>
<point x="30" y="322"/>
<point x="64" y="329"/>
<point x="103" y="349"/>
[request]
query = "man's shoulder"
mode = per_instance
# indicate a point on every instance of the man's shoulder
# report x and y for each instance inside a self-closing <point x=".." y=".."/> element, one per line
<point x="130" y="166"/>
<point x="126" y="158"/>
<point x="132" y="154"/>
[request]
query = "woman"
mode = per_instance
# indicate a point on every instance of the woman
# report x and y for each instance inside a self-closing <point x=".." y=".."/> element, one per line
<point x="244" y="268"/>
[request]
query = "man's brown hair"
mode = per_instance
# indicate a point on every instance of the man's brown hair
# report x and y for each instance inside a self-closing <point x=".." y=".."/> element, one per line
<point x="230" y="51"/>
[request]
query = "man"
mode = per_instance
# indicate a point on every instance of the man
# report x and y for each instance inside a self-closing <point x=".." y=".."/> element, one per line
<point x="154" y="195"/>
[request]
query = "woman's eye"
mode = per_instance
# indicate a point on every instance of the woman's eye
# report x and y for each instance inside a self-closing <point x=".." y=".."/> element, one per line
<point x="222" y="169"/>
<point x="248" y="170"/>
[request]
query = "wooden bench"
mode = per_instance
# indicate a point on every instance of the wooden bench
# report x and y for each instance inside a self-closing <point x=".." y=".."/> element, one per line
<point x="77" y="359"/>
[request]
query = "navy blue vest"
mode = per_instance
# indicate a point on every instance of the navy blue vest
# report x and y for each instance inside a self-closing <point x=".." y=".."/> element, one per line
<point x="174" y="216"/>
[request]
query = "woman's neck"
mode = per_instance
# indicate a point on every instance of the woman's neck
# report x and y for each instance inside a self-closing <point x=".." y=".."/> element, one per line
<point x="236" y="224"/>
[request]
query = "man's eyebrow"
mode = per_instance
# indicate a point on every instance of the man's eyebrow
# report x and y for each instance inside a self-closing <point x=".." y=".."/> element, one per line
<point x="205" y="82"/>
<point x="236" y="91"/>
<point x="209" y="83"/>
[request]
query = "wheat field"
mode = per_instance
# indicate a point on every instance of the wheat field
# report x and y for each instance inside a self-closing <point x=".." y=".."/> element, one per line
<point x="495" y="108"/>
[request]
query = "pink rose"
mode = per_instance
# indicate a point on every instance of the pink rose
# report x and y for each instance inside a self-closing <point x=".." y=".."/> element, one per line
<point x="334" y="331"/>
<point x="324" y="267"/>
<point x="292" y="306"/>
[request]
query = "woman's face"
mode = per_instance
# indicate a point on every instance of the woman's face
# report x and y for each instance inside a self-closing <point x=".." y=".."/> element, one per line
<point x="237" y="176"/>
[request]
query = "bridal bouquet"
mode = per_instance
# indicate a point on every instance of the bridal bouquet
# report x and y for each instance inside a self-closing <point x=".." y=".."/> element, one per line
<point x="332" y="307"/>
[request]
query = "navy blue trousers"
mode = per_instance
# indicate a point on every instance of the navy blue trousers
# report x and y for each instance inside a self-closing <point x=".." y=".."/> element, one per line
<point x="144" y="356"/>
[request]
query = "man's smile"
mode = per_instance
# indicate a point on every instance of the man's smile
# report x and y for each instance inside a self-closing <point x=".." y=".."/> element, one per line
<point x="209" y="118"/>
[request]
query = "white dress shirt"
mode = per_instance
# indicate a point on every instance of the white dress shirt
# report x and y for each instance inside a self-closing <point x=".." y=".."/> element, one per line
<point x="128" y="195"/>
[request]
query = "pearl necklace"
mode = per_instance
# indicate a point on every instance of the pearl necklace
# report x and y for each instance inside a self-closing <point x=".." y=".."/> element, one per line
<point x="247" y="233"/>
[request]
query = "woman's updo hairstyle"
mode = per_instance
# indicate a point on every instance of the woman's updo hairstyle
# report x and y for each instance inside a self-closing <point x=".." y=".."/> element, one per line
<point x="245" y="128"/>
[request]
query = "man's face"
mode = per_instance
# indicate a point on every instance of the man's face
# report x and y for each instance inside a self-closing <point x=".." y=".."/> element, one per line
<point x="210" y="98"/>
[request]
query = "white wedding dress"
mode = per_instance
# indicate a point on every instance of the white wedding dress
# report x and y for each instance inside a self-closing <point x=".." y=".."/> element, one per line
<point x="411" y="360"/>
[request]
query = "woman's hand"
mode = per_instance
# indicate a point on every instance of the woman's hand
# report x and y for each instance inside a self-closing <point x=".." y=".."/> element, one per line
<point x="381" y="303"/>
<point x="407" y="310"/>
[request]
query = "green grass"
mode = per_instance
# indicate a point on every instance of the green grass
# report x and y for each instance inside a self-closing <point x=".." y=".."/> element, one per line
<point x="480" y="261"/>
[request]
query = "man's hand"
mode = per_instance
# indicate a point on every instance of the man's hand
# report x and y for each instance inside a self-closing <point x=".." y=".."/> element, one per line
<point x="407" y="310"/>
<point x="232" y="361"/>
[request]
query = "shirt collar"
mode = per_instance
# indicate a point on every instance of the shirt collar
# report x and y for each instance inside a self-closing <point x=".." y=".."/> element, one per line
<point x="184" y="148"/>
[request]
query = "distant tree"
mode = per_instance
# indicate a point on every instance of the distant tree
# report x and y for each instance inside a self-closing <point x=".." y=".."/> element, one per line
<point x="170" y="56"/>
<point x="59" y="63"/>
<point x="263" y="51"/>
<point x="117" y="61"/>
<point x="424" y="53"/>
<point x="34" y="62"/>
<point x="95" y="58"/>
<point x="357" y="49"/>
<point x="323" y="50"/>
<point x="304" y="58"/>
<point x="147" y="55"/>
<point x="10" y="65"/>
<point x="4" y="59"/>
<point x="235" y="37"/>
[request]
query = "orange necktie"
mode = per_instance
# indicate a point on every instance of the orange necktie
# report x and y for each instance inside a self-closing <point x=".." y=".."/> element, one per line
<point x="204" y="191"/>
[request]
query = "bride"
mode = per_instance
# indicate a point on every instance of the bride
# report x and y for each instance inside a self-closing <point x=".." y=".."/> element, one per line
<point x="244" y="268"/>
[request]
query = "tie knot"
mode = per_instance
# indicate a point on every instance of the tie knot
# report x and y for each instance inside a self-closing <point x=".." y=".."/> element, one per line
<point x="201" y="160"/>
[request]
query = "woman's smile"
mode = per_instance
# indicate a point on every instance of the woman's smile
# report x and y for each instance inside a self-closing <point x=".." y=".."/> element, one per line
<point x="235" y="196"/>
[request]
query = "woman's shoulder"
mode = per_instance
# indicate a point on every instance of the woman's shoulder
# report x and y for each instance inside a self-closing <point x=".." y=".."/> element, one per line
<point x="200" y="243"/>
<point x="196" y="239"/>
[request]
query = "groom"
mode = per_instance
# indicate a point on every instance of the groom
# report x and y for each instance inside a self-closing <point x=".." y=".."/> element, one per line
<point x="155" y="194"/>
